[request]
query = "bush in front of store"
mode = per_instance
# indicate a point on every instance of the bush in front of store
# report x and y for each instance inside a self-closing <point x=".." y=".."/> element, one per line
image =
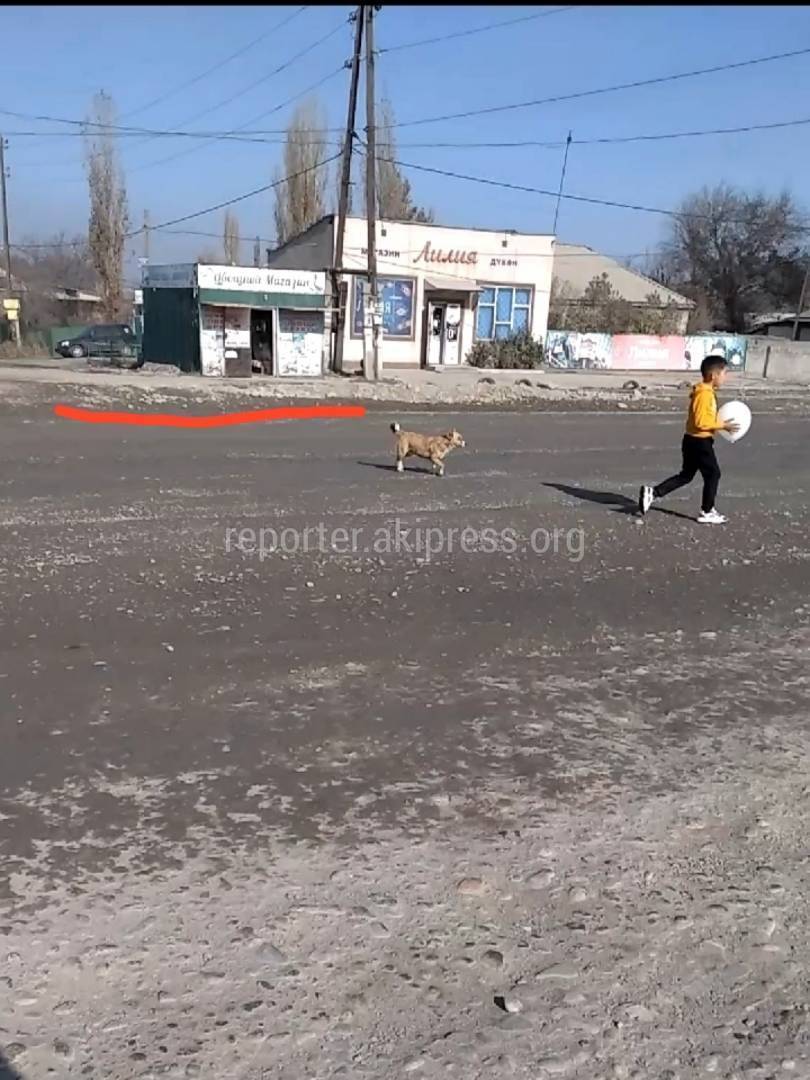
<point x="520" y="352"/>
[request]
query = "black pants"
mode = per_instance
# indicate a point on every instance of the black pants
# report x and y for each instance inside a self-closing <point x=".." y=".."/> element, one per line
<point x="698" y="457"/>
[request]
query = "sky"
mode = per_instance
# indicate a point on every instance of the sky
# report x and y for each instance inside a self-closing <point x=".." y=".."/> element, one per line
<point x="165" y="66"/>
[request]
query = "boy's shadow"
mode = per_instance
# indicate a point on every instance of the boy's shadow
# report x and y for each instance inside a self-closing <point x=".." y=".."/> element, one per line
<point x="7" y="1071"/>
<point x="618" y="504"/>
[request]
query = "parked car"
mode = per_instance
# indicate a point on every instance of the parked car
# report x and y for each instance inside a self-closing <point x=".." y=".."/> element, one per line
<point x="106" y="341"/>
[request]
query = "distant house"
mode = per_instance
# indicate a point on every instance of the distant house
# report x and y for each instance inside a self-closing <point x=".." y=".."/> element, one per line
<point x="16" y="284"/>
<point x="77" y="305"/>
<point x="780" y="325"/>
<point x="68" y="305"/>
<point x="575" y="266"/>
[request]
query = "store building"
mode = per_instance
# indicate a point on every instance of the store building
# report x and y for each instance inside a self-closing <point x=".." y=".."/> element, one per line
<point x="235" y="320"/>
<point x="442" y="288"/>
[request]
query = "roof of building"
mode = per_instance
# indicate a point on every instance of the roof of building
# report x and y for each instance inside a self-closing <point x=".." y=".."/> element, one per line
<point x="64" y="293"/>
<point x="576" y="266"/>
<point x="441" y="225"/>
<point x="776" y="317"/>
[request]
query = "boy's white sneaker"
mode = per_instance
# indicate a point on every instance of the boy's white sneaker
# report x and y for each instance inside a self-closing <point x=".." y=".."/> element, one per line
<point x="711" y="517"/>
<point x="645" y="499"/>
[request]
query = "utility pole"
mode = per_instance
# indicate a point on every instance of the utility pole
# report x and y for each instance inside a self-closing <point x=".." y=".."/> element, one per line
<point x="4" y="199"/>
<point x="146" y="231"/>
<point x="15" y="323"/>
<point x="338" y="301"/>
<point x="562" y="182"/>
<point x="372" y="360"/>
<point x="257" y="252"/>
<point x="796" y="321"/>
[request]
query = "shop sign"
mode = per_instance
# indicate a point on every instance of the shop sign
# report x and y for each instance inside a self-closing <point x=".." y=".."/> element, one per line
<point x="452" y="257"/>
<point x="257" y="279"/>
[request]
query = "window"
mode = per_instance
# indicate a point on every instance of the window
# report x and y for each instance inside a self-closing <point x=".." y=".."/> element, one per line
<point x="398" y="299"/>
<point x="503" y="310"/>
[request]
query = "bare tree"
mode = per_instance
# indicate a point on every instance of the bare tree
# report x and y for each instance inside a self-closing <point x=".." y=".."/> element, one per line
<point x="302" y="182"/>
<point x="394" y="199"/>
<point x="736" y="253"/>
<point x="109" y="215"/>
<point x="230" y="239"/>
<point x="208" y="257"/>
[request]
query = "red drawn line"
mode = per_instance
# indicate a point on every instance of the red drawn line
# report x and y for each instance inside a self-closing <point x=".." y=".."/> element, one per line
<point x="308" y="412"/>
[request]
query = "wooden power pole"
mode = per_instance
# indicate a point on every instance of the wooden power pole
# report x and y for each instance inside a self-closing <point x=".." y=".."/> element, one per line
<point x="373" y="340"/>
<point x="562" y="183"/>
<point x="4" y="207"/>
<point x="800" y="309"/>
<point x="13" y="322"/>
<point x="146" y="237"/>
<point x="338" y="301"/>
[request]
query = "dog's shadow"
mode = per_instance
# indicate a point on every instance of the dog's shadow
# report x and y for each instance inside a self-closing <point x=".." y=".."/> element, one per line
<point x="616" y="503"/>
<point x="393" y="468"/>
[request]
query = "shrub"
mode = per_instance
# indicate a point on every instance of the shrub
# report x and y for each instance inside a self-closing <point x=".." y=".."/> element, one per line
<point x="519" y="352"/>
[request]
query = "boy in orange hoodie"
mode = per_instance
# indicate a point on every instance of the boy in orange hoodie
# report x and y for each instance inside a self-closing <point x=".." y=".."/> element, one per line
<point x="698" y="444"/>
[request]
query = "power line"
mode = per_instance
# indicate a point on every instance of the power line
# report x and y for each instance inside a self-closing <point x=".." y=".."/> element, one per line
<point x="257" y="137"/>
<point x="270" y="74"/>
<point x="478" y="30"/>
<point x="219" y="136"/>
<point x="742" y="129"/>
<point x="593" y="200"/>
<point x="197" y="213"/>
<point x="240" y="198"/>
<point x="213" y="136"/>
<point x="253" y="120"/>
<point x="525" y="188"/>
<point x="117" y="128"/>
<point x="85" y="124"/>
<point x="208" y="71"/>
<point x="636" y="84"/>
<point x="216" y="67"/>
<point x="393" y="48"/>
<point x="351" y="249"/>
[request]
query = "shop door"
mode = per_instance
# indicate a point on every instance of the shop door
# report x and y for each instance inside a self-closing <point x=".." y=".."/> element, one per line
<point x="261" y="341"/>
<point x="435" y="340"/>
<point x="444" y="333"/>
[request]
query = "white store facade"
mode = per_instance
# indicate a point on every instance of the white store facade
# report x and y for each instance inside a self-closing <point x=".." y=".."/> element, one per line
<point x="441" y="288"/>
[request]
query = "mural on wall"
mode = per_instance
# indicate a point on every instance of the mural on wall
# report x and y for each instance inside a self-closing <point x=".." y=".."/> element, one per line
<point x="571" y="351"/>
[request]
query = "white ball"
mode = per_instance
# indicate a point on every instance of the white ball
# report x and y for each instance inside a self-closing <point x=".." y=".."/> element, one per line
<point x="739" y="412"/>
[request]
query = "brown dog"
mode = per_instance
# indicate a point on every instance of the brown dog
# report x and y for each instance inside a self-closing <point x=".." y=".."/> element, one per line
<point x="432" y="447"/>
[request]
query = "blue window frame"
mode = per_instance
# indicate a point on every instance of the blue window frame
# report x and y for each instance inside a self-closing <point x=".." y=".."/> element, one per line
<point x="503" y="310"/>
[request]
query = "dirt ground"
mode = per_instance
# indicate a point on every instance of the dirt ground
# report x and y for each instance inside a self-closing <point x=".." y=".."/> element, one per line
<point x="404" y="805"/>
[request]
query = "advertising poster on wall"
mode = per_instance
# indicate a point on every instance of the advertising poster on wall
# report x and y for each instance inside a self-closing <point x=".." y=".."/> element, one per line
<point x="237" y="328"/>
<point x="300" y="343"/>
<point x="573" y="351"/>
<point x="569" y="350"/>
<point x="397" y="296"/>
<point x="645" y="352"/>
<point x="212" y="340"/>
<point x="697" y="346"/>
